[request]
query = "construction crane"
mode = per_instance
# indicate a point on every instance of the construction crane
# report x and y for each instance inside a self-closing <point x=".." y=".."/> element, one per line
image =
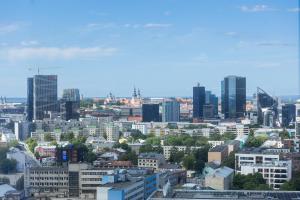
<point x="42" y="68"/>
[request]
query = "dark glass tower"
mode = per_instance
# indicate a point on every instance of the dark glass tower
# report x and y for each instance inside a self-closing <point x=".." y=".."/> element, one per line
<point x="44" y="95"/>
<point x="264" y="100"/>
<point x="212" y="99"/>
<point x="70" y="104"/>
<point x="150" y="112"/>
<point x="233" y="97"/>
<point x="198" y="101"/>
<point x="288" y="114"/>
<point x="29" y="108"/>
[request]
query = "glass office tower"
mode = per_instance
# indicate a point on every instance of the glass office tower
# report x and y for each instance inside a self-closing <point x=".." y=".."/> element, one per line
<point x="170" y="111"/>
<point x="233" y="94"/>
<point x="29" y="108"/>
<point x="44" y="96"/>
<point x="198" y="101"/>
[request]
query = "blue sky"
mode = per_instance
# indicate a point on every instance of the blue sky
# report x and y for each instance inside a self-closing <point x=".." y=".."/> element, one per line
<point x="163" y="47"/>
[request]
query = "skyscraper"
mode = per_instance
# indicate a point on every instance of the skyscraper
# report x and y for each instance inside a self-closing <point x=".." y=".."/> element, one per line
<point x="170" y="111"/>
<point x="70" y="104"/>
<point x="212" y="99"/>
<point x="29" y="108"/>
<point x="297" y="124"/>
<point x="71" y="95"/>
<point x="264" y="101"/>
<point x="288" y="114"/>
<point x="42" y="96"/>
<point x="198" y="101"/>
<point x="150" y="112"/>
<point x="233" y="94"/>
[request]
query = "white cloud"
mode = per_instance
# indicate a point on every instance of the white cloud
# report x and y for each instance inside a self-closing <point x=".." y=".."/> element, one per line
<point x="153" y="25"/>
<point x="294" y="10"/>
<point x="256" y="8"/>
<point x="25" y="53"/>
<point x="9" y="28"/>
<point x="29" y="43"/>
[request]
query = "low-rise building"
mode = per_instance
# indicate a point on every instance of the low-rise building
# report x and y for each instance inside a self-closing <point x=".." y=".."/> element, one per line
<point x="218" y="153"/>
<point x="220" y="179"/>
<point x="151" y="160"/>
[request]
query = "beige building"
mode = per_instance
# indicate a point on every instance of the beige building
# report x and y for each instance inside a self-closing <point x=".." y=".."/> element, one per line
<point x="220" y="179"/>
<point x="151" y="160"/>
<point x="218" y="153"/>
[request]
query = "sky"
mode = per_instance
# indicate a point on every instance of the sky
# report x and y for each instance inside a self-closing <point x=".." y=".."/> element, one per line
<point x="163" y="47"/>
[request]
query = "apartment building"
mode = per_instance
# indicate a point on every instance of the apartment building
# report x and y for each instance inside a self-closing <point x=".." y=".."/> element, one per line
<point x="151" y="160"/>
<point x="167" y="150"/>
<point x="275" y="170"/>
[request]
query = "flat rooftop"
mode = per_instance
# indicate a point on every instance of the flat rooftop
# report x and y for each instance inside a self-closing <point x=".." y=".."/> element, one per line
<point x="227" y="194"/>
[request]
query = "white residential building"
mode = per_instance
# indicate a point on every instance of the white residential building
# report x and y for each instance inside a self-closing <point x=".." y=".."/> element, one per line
<point x="112" y="132"/>
<point x="140" y="127"/>
<point x="266" y="162"/>
<point x="167" y="150"/>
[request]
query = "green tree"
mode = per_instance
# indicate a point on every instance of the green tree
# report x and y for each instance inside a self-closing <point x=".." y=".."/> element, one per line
<point x="31" y="143"/>
<point x="130" y="156"/>
<point x="215" y="137"/>
<point x="175" y="155"/>
<point x="189" y="162"/>
<point x="67" y="136"/>
<point x="249" y="182"/>
<point x="136" y="134"/>
<point x="284" y="134"/>
<point x="48" y="137"/>
<point x="230" y="160"/>
<point x="253" y="141"/>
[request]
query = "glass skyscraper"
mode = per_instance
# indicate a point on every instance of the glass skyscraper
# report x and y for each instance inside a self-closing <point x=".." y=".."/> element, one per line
<point x="170" y="111"/>
<point x="41" y="96"/>
<point x="150" y="112"/>
<point x="29" y="108"/>
<point x="233" y="94"/>
<point x="198" y="101"/>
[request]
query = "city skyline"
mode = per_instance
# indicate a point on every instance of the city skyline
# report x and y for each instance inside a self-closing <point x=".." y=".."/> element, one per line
<point x="104" y="45"/>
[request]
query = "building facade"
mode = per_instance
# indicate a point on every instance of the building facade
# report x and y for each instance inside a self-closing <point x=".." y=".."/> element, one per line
<point x="171" y="111"/>
<point x="233" y="95"/>
<point x="198" y="101"/>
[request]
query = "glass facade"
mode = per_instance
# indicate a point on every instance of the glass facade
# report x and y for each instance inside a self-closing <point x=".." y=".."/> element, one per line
<point x="44" y="95"/>
<point x="29" y="108"/>
<point x="150" y="112"/>
<point x="170" y="111"/>
<point x="198" y="101"/>
<point x="233" y="93"/>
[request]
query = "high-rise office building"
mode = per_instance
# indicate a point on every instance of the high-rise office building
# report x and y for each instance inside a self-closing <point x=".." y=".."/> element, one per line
<point x="70" y="104"/>
<point x="42" y="96"/>
<point x="150" y="112"/>
<point x="233" y="94"/>
<point x="71" y="95"/>
<point x="264" y="101"/>
<point x="212" y="99"/>
<point x="288" y="114"/>
<point x="29" y="107"/>
<point x="198" y="101"/>
<point x="170" y="111"/>
<point x="297" y="119"/>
